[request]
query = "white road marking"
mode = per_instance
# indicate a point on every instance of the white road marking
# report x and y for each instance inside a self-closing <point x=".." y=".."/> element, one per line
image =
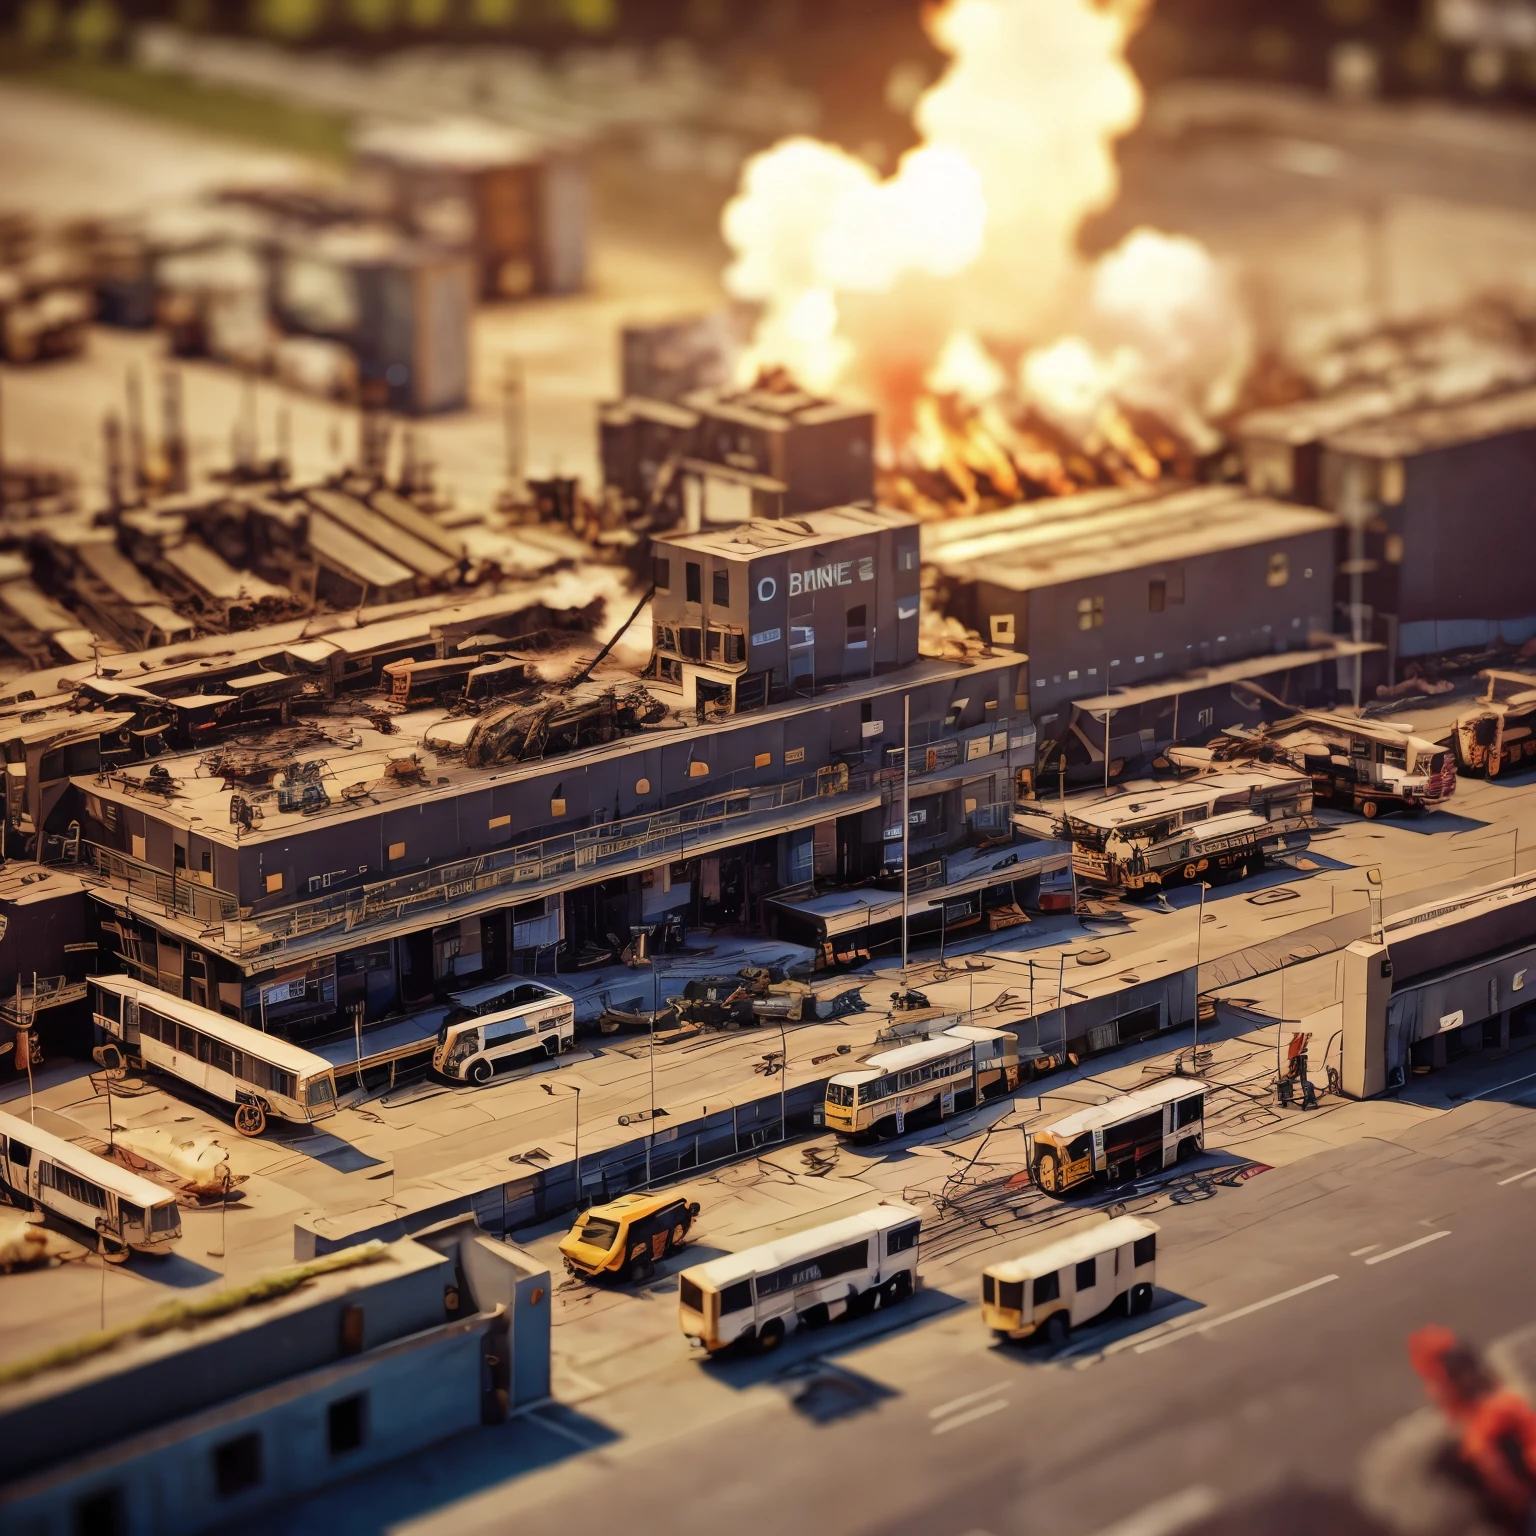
<point x="1515" y="1178"/>
<point x="1418" y="1242"/>
<point x="1229" y="1317"/>
<point x="1483" y="1093"/>
<point x="1369" y="1247"/>
<point x="945" y="1409"/>
<point x="961" y="1419"/>
<point x="1166" y="1515"/>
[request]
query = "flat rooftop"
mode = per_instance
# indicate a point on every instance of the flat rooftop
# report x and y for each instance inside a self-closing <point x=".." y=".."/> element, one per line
<point x="1046" y="543"/>
<point x="771" y="536"/>
<point x="1436" y="427"/>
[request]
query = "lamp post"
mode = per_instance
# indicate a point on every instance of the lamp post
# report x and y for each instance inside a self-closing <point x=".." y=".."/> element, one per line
<point x="783" y="1078"/>
<point x="549" y="1088"/>
<point x="906" y="822"/>
<point x="650" y="1123"/>
<point x="1194" y="1055"/>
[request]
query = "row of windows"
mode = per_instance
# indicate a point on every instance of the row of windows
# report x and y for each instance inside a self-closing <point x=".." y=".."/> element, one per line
<point x="957" y="1065"/>
<point x="693" y="581"/>
<point x="72" y="1186"/>
<point x="1047" y="1288"/>
<point x="807" y="1271"/>
<point x="694" y="644"/>
<point x="215" y="1053"/>
<point x="1161" y="592"/>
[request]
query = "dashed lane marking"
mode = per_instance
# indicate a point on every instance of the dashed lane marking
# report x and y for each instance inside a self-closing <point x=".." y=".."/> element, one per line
<point x="961" y="1419"/>
<point x="1515" y="1178"/>
<point x="945" y="1409"/>
<point x="1357" y="1253"/>
<point x="1167" y="1515"/>
<point x="1231" y="1317"/>
<point x="1418" y="1242"/>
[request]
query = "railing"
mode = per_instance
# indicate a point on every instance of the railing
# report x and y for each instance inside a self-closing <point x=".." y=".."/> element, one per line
<point x="637" y="839"/>
<point x="18" y="1008"/>
<point x="173" y="892"/>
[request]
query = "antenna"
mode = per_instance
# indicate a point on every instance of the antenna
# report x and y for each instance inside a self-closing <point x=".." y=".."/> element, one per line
<point x="136" y="464"/>
<point x="173" y="431"/>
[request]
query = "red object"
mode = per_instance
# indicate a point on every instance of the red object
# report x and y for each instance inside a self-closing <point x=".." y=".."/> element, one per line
<point x="1498" y="1426"/>
<point x="1055" y="901"/>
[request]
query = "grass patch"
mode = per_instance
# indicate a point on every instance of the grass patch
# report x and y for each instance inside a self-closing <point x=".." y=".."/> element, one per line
<point x="223" y="110"/>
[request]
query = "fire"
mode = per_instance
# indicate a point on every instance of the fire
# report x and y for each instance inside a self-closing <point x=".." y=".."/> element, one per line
<point x="953" y="291"/>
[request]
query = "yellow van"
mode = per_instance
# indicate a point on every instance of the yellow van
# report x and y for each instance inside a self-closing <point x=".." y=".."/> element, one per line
<point x="1100" y="1268"/>
<point x="628" y="1236"/>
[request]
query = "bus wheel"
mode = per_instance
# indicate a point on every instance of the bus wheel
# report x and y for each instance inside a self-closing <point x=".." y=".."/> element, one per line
<point x="896" y="1289"/>
<point x="1058" y="1328"/>
<point x="1188" y="1148"/>
<point x="1047" y="1174"/>
<point x="250" y="1119"/>
<point x="863" y="1304"/>
<point x="1370" y="809"/>
<point x="815" y="1317"/>
<point x="679" y="1232"/>
<point x="1141" y="1298"/>
<point x="480" y="1073"/>
<point x="770" y="1335"/>
<point x="112" y="1249"/>
<point x="641" y="1269"/>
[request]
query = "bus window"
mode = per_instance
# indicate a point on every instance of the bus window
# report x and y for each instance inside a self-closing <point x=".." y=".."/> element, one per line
<point x="1189" y="1111"/>
<point x="1144" y="1250"/>
<point x="318" y="1090"/>
<point x="221" y="1056"/>
<point x="600" y="1234"/>
<point x="164" y="1218"/>
<point x="988" y="1289"/>
<point x="1047" y="1287"/>
<point x="902" y="1239"/>
<point x="1087" y="1274"/>
<point x="736" y="1298"/>
<point x="19" y="1154"/>
<point x="108" y="1004"/>
<point x="690" y="1295"/>
<point x="840" y="1095"/>
<point x="1010" y="1293"/>
<point x="72" y="1186"/>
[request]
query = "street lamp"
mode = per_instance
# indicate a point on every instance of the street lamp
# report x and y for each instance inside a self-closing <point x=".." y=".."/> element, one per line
<point x="1194" y="1055"/>
<point x="549" y="1088"/>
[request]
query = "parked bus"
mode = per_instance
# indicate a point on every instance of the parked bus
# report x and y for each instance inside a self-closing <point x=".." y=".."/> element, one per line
<point x="1150" y="836"/>
<point x="124" y="1210"/>
<point x="1098" y="1269"/>
<point x="1501" y="731"/>
<point x="628" y="1236"/>
<point x="1131" y="1136"/>
<point x="845" y="1268"/>
<point x="498" y="1025"/>
<point x="259" y="1074"/>
<point x="954" y="1070"/>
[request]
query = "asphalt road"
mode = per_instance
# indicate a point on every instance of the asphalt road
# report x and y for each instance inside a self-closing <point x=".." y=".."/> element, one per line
<point x="1274" y="1356"/>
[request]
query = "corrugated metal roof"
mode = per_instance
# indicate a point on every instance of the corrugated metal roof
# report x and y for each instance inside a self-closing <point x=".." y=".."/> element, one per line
<point x="1046" y="543"/>
<point x="1440" y="427"/>
<point x="383" y="533"/>
<point x="353" y="556"/>
<point x="212" y="574"/>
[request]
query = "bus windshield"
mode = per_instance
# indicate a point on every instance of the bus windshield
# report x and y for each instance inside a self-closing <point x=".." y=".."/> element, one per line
<point x="600" y="1233"/>
<point x="840" y="1094"/>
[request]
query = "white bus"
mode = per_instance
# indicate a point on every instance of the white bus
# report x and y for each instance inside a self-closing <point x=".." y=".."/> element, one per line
<point x="1131" y="1136"/>
<point x="1102" y="1267"/>
<point x="957" y="1069"/>
<point x="1148" y="836"/>
<point x="259" y="1074"/>
<point x="845" y="1268"/>
<point x="498" y="1024"/>
<point x="123" y="1209"/>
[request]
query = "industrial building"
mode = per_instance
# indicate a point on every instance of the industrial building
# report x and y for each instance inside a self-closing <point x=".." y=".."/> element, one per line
<point x="213" y="1410"/>
<point x="1434" y="983"/>
<point x="1433" y="501"/>
<point x="719" y="456"/>
<point x="1145" y="605"/>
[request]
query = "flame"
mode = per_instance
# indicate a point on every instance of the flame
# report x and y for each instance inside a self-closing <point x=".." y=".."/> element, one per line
<point x="967" y="255"/>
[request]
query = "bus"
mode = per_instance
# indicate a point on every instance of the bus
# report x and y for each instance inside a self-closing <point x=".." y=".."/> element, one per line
<point x="843" y="1269"/>
<point x="1101" y="1268"/>
<point x="955" y="1070"/>
<point x="500" y="1023"/>
<point x="124" y="1210"/>
<point x="627" y="1237"/>
<point x="262" y="1076"/>
<point x="1501" y="731"/>
<point x="1149" y="836"/>
<point x="1131" y="1136"/>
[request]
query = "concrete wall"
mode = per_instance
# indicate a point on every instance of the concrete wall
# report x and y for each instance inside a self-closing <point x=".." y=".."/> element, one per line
<point x="1229" y="612"/>
<point x="415" y="1392"/>
<point x="41" y="1422"/>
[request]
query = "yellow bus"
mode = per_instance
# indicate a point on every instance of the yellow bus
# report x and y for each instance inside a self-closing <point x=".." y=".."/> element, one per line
<point x="1101" y="1268"/>
<point x="842" y="1269"/>
<point x="1133" y="1135"/>
<point x="955" y="1070"/>
<point x="628" y="1236"/>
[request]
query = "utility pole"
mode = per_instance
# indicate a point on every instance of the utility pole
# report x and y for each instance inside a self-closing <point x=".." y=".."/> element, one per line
<point x="650" y="1124"/>
<point x="906" y="821"/>
<point x="783" y="1079"/>
<point x="1194" y="1056"/>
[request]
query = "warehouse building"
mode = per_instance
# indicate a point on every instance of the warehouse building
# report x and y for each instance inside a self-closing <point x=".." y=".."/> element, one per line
<point x="1157" y="598"/>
